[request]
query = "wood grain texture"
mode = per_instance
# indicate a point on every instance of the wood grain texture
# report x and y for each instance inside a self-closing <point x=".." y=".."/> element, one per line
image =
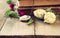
<point x="46" y="2"/>
<point x="26" y="3"/>
<point x="38" y="2"/>
<point x="3" y="8"/>
<point x="47" y="29"/>
<point x="15" y="27"/>
<point x="8" y="26"/>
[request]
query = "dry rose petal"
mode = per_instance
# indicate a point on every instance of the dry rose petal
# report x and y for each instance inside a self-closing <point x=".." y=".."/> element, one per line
<point x="21" y="13"/>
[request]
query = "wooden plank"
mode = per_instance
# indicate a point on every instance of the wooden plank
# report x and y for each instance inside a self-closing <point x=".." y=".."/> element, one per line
<point x="2" y="21"/>
<point x="15" y="27"/>
<point x="46" y="2"/>
<point x="21" y="28"/>
<point x="38" y="2"/>
<point x="7" y="28"/>
<point x="3" y="8"/>
<point x="25" y="3"/>
<point x="47" y="29"/>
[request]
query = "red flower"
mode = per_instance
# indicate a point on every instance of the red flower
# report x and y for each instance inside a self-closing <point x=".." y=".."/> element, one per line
<point x="12" y="6"/>
<point x="21" y="13"/>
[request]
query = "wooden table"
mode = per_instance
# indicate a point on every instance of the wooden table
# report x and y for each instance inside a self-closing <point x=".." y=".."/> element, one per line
<point x="12" y="27"/>
<point x="15" y="27"/>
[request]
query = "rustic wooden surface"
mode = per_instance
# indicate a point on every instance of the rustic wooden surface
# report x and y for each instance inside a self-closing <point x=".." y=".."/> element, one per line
<point x="38" y="2"/>
<point x="3" y="8"/>
<point x="13" y="26"/>
<point x="47" y="29"/>
<point x="10" y="26"/>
